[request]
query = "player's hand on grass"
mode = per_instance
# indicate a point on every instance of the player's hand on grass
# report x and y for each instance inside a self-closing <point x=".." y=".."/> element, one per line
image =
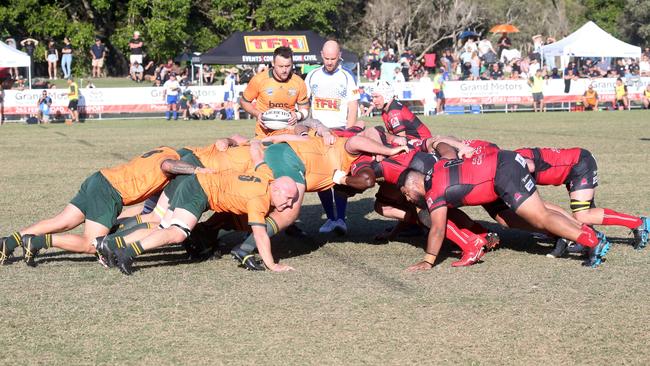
<point x="277" y="267"/>
<point x="420" y="266"/>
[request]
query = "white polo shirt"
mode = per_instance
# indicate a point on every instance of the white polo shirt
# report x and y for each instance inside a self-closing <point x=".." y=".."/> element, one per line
<point x="329" y="95"/>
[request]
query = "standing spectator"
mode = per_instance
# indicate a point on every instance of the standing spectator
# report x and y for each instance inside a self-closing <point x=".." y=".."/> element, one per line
<point x="52" y="58"/>
<point x="438" y="90"/>
<point x="390" y="56"/>
<point x="230" y="81"/>
<point x="590" y="99"/>
<point x="98" y="53"/>
<point x="536" y="83"/>
<point x="620" y="90"/>
<point x="399" y="77"/>
<point x="208" y="74"/>
<point x="334" y="100"/>
<point x="66" y="58"/>
<point x="73" y="98"/>
<point x="136" y="72"/>
<point x="644" y="66"/>
<point x="170" y="96"/>
<point x="475" y="65"/>
<point x="620" y="68"/>
<point x="504" y="43"/>
<point x="29" y="45"/>
<point x="13" y="71"/>
<point x="136" y="45"/>
<point x="485" y="46"/>
<point x="44" y="104"/>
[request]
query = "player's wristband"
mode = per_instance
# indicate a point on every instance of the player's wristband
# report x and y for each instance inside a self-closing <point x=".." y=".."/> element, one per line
<point x="430" y="258"/>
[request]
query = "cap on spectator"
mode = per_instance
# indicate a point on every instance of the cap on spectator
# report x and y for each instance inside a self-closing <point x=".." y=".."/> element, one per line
<point x="591" y="86"/>
<point x="97" y="39"/>
<point x="136" y="33"/>
<point x="391" y="51"/>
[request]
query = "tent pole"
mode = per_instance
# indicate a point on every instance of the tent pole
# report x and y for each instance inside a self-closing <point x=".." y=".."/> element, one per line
<point x="201" y="75"/>
<point x="29" y="72"/>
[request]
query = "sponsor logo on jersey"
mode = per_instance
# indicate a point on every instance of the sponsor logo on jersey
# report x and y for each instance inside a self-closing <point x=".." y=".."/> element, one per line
<point x="268" y="44"/>
<point x="292" y="92"/>
<point x="583" y="182"/>
<point x="529" y="186"/>
<point x="520" y="160"/>
<point x="269" y="91"/>
<point x="279" y="105"/>
<point x="394" y="121"/>
<point x="327" y="104"/>
<point x="430" y="202"/>
<point x="517" y="196"/>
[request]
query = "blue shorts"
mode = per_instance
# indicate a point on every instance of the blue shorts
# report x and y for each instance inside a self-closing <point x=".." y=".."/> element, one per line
<point x="228" y="96"/>
<point x="440" y="95"/>
<point x="172" y="99"/>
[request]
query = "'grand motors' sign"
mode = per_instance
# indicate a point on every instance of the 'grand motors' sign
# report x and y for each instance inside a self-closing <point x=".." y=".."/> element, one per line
<point x="267" y="44"/>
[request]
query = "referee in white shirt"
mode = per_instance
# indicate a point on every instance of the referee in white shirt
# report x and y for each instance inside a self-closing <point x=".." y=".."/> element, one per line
<point x="334" y="100"/>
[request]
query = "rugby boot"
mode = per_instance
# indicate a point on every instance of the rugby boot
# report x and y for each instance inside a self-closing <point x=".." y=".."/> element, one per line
<point x="29" y="251"/>
<point x="641" y="234"/>
<point x="597" y="253"/>
<point x="472" y="253"/>
<point x="247" y="260"/>
<point x="105" y="254"/>
<point x="5" y="251"/>
<point x="123" y="261"/>
<point x="492" y="241"/>
<point x="561" y="247"/>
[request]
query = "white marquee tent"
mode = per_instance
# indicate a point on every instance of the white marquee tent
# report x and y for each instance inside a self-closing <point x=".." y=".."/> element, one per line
<point x="590" y="41"/>
<point x="11" y="57"/>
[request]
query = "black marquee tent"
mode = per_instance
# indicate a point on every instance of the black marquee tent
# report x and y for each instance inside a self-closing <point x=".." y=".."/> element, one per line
<point x="257" y="48"/>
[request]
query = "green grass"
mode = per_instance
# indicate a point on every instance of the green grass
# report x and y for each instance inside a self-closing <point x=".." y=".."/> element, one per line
<point x="350" y="301"/>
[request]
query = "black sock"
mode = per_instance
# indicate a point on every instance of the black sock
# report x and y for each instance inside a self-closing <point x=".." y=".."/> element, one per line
<point x="134" y="249"/>
<point x="249" y="243"/>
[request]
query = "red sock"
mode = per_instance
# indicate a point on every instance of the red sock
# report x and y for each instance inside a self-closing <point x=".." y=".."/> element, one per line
<point x="465" y="241"/>
<point x="587" y="237"/>
<point x="612" y="217"/>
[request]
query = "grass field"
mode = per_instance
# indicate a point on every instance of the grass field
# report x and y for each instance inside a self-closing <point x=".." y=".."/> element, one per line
<point x="350" y="301"/>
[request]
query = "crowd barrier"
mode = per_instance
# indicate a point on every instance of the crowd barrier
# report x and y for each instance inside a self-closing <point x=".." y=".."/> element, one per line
<point x="144" y="100"/>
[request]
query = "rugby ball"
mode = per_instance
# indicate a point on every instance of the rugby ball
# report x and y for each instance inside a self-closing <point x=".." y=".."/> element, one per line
<point x="276" y="119"/>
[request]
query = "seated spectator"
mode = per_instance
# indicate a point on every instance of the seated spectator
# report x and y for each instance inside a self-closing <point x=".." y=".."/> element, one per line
<point x="590" y="99"/>
<point x="594" y="72"/>
<point x="149" y="73"/>
<point x="372" y="73"/>
<point x="390" y="56"/>
<point x="496" y="73"/>
<point x="515" y="75"/>
<point x="621" y="70"/>
<point x="533" y="66"/>
<point x="208" y="74"/>
<point x="510" y="54"/>
<point x="136" y="72"/>
<point x="184" y="80"/>
<point x="44" y="104"/>
<point x="490" y="57"/>
<point x="646" y="97"/>
<point x="447" y="59"/>
<point x="555" y="74"/>
<point x="207" y="112"/>
<point x="620" y="91"/>
<point x="399" y="76"/>
<point x="644" y="66"/>
<point x="633" y="68"/>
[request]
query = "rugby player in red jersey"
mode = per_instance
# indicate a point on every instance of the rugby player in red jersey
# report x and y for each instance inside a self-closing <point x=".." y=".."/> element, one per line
<point x="577" y="169"/>
<point x="397" y="117"/>
<point x="504" y="175"/>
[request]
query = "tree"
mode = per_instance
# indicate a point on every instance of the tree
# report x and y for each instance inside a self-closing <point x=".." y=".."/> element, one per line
<point x="635" y="22"/>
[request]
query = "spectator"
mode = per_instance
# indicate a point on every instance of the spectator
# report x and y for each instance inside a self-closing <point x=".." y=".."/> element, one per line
<point x="149" y="73"/>
<point x="447" y="59"/>
<point x="555" y="74"/>
<point x="509" y="54"/>
<point x="533" y="67"/>
<point x="73" y="100"/>
<point x="475" y="66"/>
<point x="136" y="72"/>
<point x="504" y="43"/>
<point x="44" y="104"/>
<point x="167" y="70"/>
<point x="633" y="68"/>
<point x="13" y="71"/>
<point x="365" y="102"/>
<point x="594" y="72"/>
<point x="29" y="45"/>
<point x="515" y="75"/>
<point x="438" y="89"/>
<point x="405" y="69"/>
<point x="538" y="42"/>
<point x="208" y="74"/>
<point x="66" y="58"/>
<point x="485" y="46"/>
<point x="644" y="66"/>
<point x="398" y="77"/>
<point x="207" y="112"/>
<point x="490" y="57"/>
<point x="52" y="58"/>
<point x="496" y="73"/>
<point x="645" y="98"/>
<point x="184" y="80"/>
<point x="408" y="54"/>
<point x="390" y="56"/>
<point x="536" y="83"/>
<point x="230" y="82"/>
<point x="97" y="53"/>
<point x="646" y="52"/>
<point x="415" y="69"/>
<point x="573" y="68"/>
<point x="590" y="99"/>
<point x="620" y="91"/>
<point x="136" y="46"/>
<point x="620" y="68"/>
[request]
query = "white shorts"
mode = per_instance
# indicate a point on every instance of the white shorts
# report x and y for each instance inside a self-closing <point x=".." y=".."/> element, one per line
<point x="52" y="58"/>
<point x="134" y="58"/>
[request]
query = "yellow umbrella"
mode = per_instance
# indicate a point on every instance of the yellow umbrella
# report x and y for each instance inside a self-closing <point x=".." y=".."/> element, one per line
<point x="504" y="28"/>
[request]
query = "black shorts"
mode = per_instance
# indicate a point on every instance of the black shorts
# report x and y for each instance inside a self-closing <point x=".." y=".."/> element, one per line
<point x="390" y="195"/>
<point x="496" y="207"/>
<point x="583" y="175"/>
<point x="73" y="104"/>
<point x="512" y="182"/>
